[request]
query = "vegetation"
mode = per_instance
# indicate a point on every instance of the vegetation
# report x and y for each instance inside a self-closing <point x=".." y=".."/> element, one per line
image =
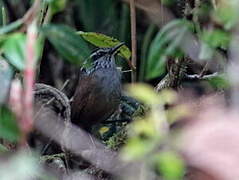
<point x="179" y="110"/>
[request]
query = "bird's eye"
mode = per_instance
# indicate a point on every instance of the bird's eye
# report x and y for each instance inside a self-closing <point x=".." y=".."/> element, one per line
<point x="101" y="53"/>
<point x="96" y="55"/>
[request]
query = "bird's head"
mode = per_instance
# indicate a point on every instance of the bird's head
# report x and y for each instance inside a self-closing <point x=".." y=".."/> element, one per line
<point x="105" y="52"/>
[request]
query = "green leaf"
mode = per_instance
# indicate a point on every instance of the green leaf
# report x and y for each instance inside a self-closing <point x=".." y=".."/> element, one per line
<point x="144" y="93"/>
<point x="6" y="74"/>
<point x="216" y="38"/>
<point x="137" y="148"/>
<point x="57" y="5"/>
<point x="166" y="43"/>
<point x="101" y="40"/>
<point x="8" y="126"/>
<point x="3" y="38"/>
<point x="68" y="44"/>
<point x="227" y="13"/>
<point x="3" y="149"/>
<point x="14" y="49"/>
<point x="219" y="82"/>
<point x="10" y="27"/>
<point x="170" y="165"/>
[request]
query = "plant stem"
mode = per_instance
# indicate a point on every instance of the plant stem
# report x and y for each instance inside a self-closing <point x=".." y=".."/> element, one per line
<point x="29" y="81"/>
<point x="4" y="17"/>
<point x="133" y="38"/>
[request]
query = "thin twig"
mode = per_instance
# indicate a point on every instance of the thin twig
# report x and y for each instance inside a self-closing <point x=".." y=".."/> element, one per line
<point x="65" y="84"/>
<point x="204" y="70"/>
<point x="126" y="71"/>
<point x="199" y="77"/>
<point x="32" y="13"/>
<point x="133" y="38"/>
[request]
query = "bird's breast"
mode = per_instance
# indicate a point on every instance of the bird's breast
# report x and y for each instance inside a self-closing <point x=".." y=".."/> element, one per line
<point x="108" y="81"/>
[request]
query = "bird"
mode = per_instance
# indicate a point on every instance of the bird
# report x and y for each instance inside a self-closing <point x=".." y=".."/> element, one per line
<point x="98" y="91"/>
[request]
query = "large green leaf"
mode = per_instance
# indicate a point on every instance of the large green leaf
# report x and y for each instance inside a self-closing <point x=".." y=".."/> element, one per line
<point x="166" y="43"/>
<point x="71" y="46"/>
<point x="6" y="74"/>
<point x="8" y="126"/>
<point x="14" y="49"/>
<point x="101" y="40"/>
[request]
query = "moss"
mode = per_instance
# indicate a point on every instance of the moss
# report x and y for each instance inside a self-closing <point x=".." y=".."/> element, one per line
<point x="117" y="140"/>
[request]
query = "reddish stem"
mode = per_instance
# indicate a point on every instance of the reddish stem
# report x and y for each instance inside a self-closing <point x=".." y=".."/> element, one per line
<point x="29" y="80"/>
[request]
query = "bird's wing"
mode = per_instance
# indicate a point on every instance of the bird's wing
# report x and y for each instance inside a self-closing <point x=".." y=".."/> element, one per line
<point x="81" y="96"/>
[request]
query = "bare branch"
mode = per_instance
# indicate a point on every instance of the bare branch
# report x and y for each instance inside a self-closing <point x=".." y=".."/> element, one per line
<point x="199" y="77"/>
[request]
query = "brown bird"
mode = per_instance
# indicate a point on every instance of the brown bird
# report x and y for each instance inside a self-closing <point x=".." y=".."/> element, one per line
<point x="98" y="92"/>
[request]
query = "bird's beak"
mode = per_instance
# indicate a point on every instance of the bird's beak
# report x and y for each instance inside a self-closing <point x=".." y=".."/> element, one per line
<point x="114" y="49"/>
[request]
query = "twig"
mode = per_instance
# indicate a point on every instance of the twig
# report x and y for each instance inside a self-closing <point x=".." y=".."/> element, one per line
<point x="31" y="14"/>
<point x="199" y="77"/>
<point x="204" y="70"/>
<point x="65" y="84"/>
<point x="133" y="38"/>
<point x="126" y="71"/>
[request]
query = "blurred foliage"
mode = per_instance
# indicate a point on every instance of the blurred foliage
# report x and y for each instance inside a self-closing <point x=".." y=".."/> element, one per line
<point x="14" y="50"/>
<point x="147" y="135"/>
<point x="211" y="40"/>
<point x="219" y="82"/>
<point x="11" y="27"/>
<point x="24" y="166"/>
<point x="57" y="5"/>
<point x="166" y="44"/>
<point x="72" y="47"/>
<point x="227" y="13"/>
<point x="147" y="95"/>
<point x="3" y="149"/>
<point x="105" y="23"/>
<point x="170" y="165"/>
<point x="9" y="129"/>
<point x="6" y="73"/>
